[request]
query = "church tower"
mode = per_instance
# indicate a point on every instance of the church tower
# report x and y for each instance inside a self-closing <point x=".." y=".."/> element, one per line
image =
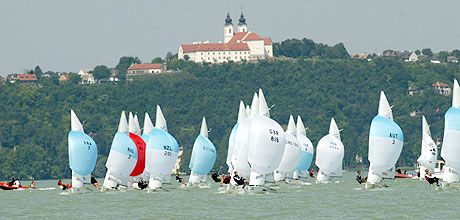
<point x="242" y="26"/>
<point x="228" y="29"/>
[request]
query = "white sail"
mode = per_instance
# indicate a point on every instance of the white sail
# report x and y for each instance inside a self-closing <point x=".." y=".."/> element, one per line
<point x="248" y="110"/>
<point x="204" y="128"/>
<point x="122" y="156"/>
<point x="148" y="125"/>
<point x="267" y="142"/>
<point x="329" y="154"/>
<point x="138" y="126"/>
<point x="450" y="151"/>
<point x="263" y="107"/>
<point x="291" y="153"/>
<point x="75" y="123"/>
<point x="240" y="151"/>
<point x="385" y="143"/>
<point x="131" y="124"/>
<point x="429" y="152"/>
<point x="231" y="140"/>
<point x="160" y="121"/>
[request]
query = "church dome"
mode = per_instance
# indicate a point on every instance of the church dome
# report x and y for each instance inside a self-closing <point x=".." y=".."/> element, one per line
<point x="228" y="20"/>
<point x="242" y="20"/>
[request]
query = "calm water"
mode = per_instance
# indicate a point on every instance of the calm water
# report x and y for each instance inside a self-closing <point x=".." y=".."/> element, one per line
<point x="404" y="198"/>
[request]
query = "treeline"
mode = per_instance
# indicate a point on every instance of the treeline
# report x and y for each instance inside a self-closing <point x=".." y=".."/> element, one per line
<point x="35" y="120"/>
<point x="307" y="48"/>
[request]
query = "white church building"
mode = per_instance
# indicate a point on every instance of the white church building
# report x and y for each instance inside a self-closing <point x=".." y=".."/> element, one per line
<point x="239" y="44"/>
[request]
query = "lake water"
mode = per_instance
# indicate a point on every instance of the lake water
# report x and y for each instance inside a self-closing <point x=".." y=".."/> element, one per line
<point x="405" y="198"/>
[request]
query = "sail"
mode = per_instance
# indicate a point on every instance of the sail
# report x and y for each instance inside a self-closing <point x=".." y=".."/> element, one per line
<point x="138" y="127"/>
<point x="231" y="140"/>
<point x="161" y="154"/>
<point x="267" y="142"/>
<point x="306" y="147"/>
<point x="122" y="156"/>
<point x="140" y="146"/>
<point x="160" y="121"/>
<point x="203" y="153"/>
<point x="148" y="127"/>
<point x="239" y="160"/>
<point x="450" y="151"/>
<point x="292" y="150"/>
<point x="82" y="149"/>
<point x="263" y="107"/>
<point x="330" y="152"/>
<point x="429" y="152"/>
<point x="385" y="141"/>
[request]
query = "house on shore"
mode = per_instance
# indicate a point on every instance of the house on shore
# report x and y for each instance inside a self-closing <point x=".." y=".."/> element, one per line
<point x="145" y="69"/>
<point x="86" y="76"/>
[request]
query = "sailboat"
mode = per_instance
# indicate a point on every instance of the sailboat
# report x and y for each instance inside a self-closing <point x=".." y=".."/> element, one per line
<point x="306" y="151"/>
<point x="329" y="154"/>
<point x="134" y="132"/>
<point x="429" y="151"/>
<point x="122" y="157"/>
<point x="231" y="140"/>
<point x="291" y="153"/>
<point x="385" y="144"/>
<point x="240" y="152"/>
<point x="161" y="154"/>
<point x="203" y="156"/>
<point x="267" y="142"/>
<point x="82" y="153"/>
<point x="450" y="150"/>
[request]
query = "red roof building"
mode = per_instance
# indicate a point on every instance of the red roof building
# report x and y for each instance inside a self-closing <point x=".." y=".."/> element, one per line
<point x="237" y="46"/>
<point x="441" y="88"/>
<point x="145" y="69"/>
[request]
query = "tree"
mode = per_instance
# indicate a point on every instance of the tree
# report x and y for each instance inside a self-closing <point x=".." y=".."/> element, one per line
<point x="417" y="52"/>
<point x="158" y="60"/>
<point x="38" y="71"/>
<point x="101" y="72"/>
<point x="74" y="78"/>
<point x="455" y="53"/>
<point x="123" y="65"/>
<point x="427" y="52"/>
<point x="442" y="55"/>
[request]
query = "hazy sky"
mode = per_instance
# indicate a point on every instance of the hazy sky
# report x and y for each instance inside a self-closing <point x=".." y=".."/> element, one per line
<point x="63" y="35"/>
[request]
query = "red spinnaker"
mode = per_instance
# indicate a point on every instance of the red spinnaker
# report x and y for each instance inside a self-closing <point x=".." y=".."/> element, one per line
<point x="140" y="165"/>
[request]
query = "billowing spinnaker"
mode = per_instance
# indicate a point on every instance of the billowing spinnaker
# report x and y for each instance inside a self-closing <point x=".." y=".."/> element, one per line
<point x="241" y="148"/>
<point x="82" y="153"/>
<point x="231" y="147"/>
<point x="385" y="144"/>
<point x="306" y="153"/>
<point x="450" y="151"/>
<point x="267" y="141"/>
<point x="291" y="155"/>
<point x="122" y="156"/>
<point x="140" y="146"/>
<point x="161" y="154"/>
<point x="329" y="155"/>
<point x="203" y="156"/>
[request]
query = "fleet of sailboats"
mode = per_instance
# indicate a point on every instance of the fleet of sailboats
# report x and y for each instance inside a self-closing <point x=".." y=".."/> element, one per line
<point x="259" y="150"/>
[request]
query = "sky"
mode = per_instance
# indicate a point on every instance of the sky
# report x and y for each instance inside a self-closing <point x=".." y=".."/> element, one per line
<point x="64" y="35"/>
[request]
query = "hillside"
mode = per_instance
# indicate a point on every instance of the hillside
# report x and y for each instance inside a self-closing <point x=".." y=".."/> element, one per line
<point x="35" y="120"/>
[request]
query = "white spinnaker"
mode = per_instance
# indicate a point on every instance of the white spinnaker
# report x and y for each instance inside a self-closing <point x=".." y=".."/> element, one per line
<point x="329" y="153"/>
<point x="240" y="151"/>
<point x="291" y="153"/>
<point x="266" y="143"/>
<point x="231" y="140"/>
<point x="429" y="152"/>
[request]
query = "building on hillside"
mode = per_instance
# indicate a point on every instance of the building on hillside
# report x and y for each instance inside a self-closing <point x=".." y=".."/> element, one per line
<point x="239" y="44"/>
<point x="64" y="77"/>
<point x="27" y="78"/>
<point x="360" y="56"/>
<point x="113" y="75"/>
<point x="145" y="69"/>
<point x="441" y="88"/>
<point x="452" y="59"/>
<point x="415" y="114"/>
<point x="414" y="91"/>
<point x="413" y="57"/>
<point x="86" y="76"/>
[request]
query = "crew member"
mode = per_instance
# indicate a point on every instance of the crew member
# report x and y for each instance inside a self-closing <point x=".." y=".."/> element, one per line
<point x="63" y="186"/>
<point x="430" y="178"/>
<point x="94" y="182"/>
<point x="215" y="177"/>
<point x="142" y="184"/>
<point x="239" y="180"/>
<point x="359" y="178"/>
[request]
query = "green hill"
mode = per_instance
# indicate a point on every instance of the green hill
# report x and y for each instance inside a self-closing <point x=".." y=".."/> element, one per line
<point x="35" y="120"/>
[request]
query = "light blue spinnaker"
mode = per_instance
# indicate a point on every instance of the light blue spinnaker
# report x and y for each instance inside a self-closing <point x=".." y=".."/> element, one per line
<point x="203" y="153"/>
